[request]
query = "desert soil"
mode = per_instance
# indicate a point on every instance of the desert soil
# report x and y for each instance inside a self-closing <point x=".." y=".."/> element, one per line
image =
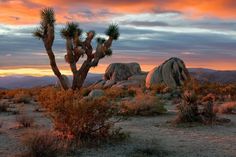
<point x="152" y="134"/>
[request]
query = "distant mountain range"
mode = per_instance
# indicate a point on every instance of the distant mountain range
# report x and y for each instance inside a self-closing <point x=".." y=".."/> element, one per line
<point x="216" y="76"/>
<point x="11" y="82"/>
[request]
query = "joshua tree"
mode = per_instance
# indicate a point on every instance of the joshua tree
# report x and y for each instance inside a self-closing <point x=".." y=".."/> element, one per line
<point x="75" y="48"/>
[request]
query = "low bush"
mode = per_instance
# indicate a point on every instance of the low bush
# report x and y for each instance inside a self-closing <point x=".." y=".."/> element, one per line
<point x="83" y="120"/>
<point x="22" y="97"/>
<point x="114" y="93"/>
<point x="142" y="105"/>
<point x="25" y="121"/>
<point x="42" y="145"/>
<point x="208" y="114"/>
<point x="227" y="108"/>
<point x="191" y="109"/>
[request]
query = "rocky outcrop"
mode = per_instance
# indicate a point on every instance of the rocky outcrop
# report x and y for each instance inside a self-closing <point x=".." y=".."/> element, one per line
<point x="172" y="73"/>
<point x="126" y="84"/>
<point x="121" y="71"/>
<point x="122" y="75"/>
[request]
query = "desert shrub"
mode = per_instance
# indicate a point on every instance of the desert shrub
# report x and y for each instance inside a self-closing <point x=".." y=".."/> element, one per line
<point x="191" y="109"/>
<point x="49" y="97"/>
<point x="2" y="94"/>
<point x="143" y="105"/>
<point x="160" y="88"/>
<point x="19" y="95"/>
<point x="42" y="145"/>
<point x="188" y="108"/>
<point x="25" y="121"/>
<point x="114" y="93"/>
<point x="3" y="107"/>
<point x="227" y="108"/>
<point x="11" y="93"/>
<point x="83" y="120"/>
<point x="208" y="114"/>
<point x="221" y="91"/>
<point x="22" y="97"/>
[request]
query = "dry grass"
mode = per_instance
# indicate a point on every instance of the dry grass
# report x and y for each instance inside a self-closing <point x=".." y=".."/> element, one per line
<point x="222" y="92"/>
<point x="227" y="108"/>
<point x="22" y="97"/>
<point x="116" y="93"/>
<point x="142" y="105"/>
<point x="42" y="145"/>
<point x="25" y="121"/>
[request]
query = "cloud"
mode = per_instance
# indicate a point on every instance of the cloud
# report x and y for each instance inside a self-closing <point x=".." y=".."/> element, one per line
<point x="27" y="11"/>
<point x="202" y="33"/>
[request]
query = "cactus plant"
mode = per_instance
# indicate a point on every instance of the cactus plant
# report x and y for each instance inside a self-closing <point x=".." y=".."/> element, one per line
<point x="76" y="49"/>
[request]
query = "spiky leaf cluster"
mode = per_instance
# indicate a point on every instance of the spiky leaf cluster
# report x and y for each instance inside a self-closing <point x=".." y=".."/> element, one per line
<point x="47" y="18"/>
<point x="38" y="33"/>
<point x="113" y="31"/>
<point x="100" y="40"/>
<point x="70" y="30"/>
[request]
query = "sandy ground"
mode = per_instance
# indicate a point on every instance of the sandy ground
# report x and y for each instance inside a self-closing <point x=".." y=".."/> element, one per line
<point x="146" y="133"/>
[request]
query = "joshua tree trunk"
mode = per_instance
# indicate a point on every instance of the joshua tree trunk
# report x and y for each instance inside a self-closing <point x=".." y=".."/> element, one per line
<point x="55" y="69"/>
<point x="75" y="48"/>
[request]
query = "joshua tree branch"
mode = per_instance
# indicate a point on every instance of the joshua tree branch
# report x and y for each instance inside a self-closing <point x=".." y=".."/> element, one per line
<point x="74" y="47"/>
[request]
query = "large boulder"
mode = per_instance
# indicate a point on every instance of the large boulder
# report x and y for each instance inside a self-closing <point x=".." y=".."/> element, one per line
<point x="172" y="73"/>
<point x="121" y="71"/>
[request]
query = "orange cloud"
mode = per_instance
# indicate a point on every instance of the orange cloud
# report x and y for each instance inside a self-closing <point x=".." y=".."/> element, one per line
<point x="27" y="11"/>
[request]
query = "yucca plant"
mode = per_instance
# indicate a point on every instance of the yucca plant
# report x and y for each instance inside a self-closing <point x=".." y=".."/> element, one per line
<point x="75" y="48"/>
<point x="208" y="114"/>
<point x="188" y="108"/>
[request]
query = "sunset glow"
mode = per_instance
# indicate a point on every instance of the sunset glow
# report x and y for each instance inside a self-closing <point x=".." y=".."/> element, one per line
<point x="201" y="32"/>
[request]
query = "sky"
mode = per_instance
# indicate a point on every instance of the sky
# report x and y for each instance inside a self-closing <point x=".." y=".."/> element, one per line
<point x="201" y="32"/>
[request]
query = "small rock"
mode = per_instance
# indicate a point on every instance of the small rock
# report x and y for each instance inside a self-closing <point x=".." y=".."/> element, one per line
<point x="96" y="93"/>
<point x="109" y="83"/>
